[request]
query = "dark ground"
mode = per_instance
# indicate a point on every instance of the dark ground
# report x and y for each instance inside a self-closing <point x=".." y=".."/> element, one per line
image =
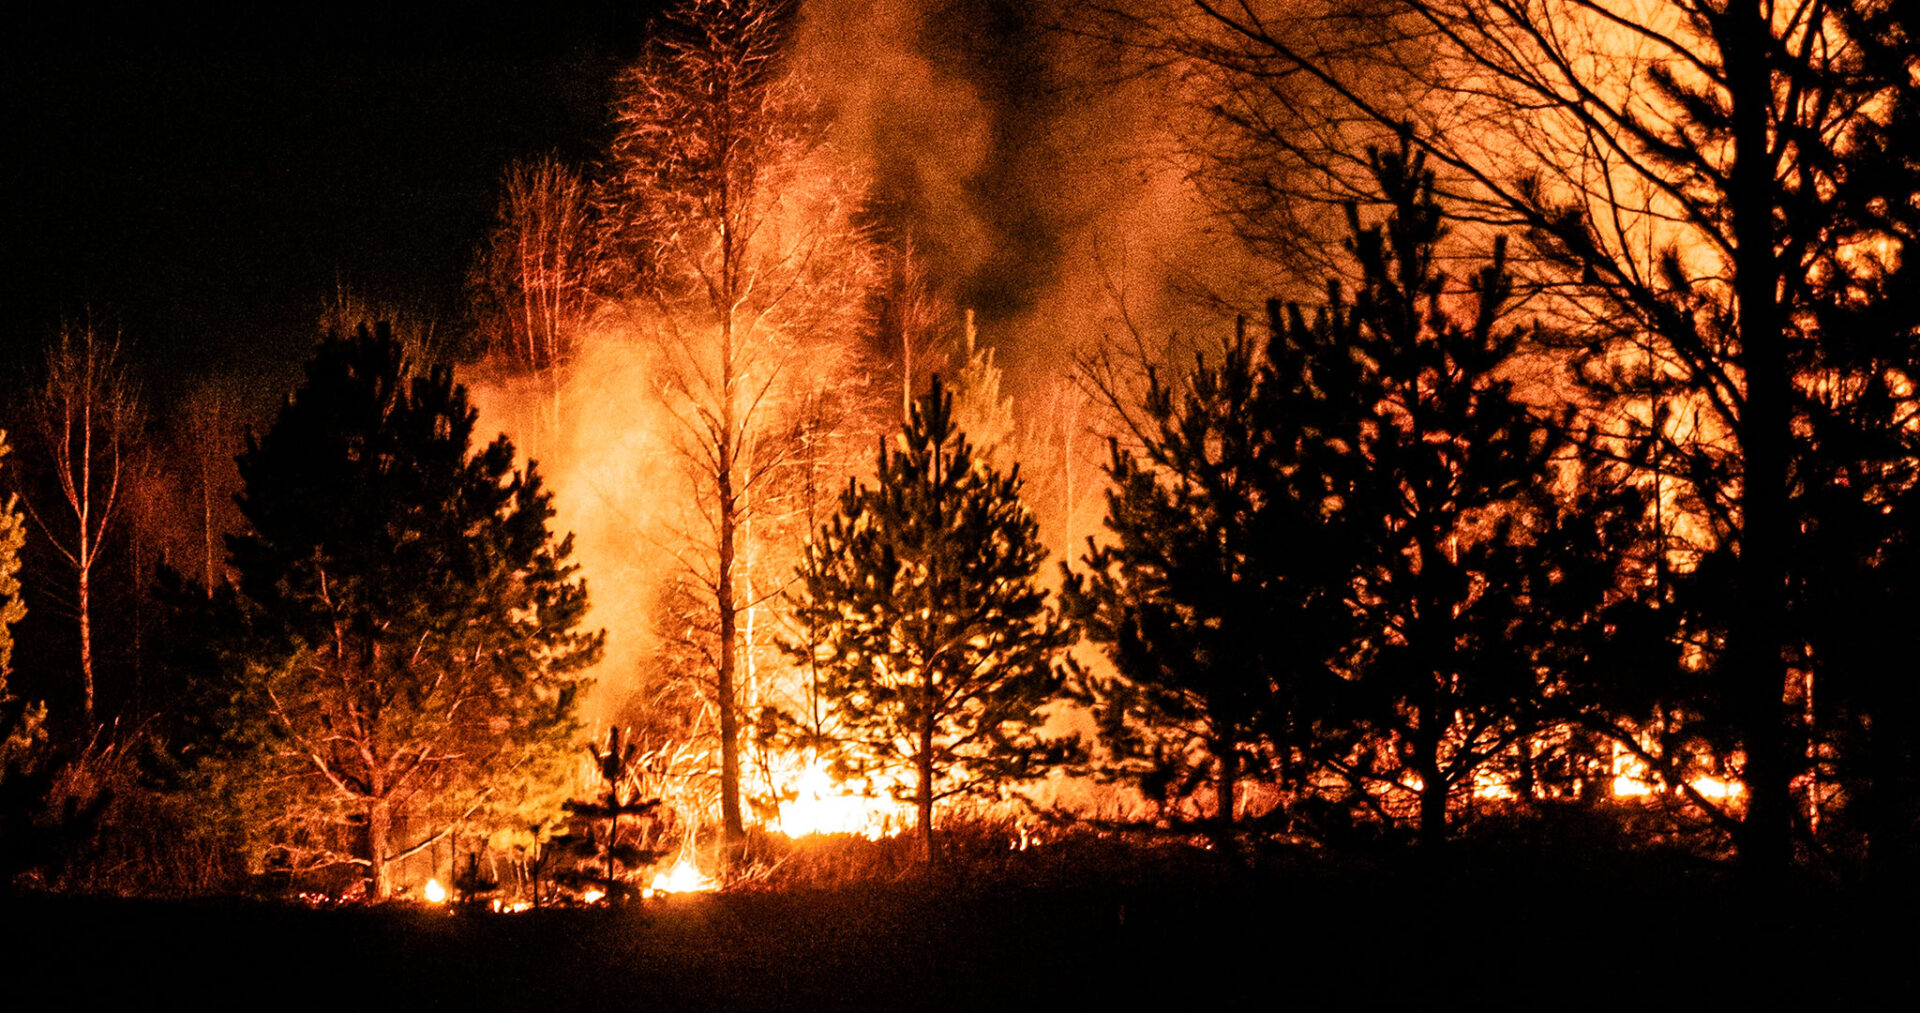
<point x="1487" y="939"/>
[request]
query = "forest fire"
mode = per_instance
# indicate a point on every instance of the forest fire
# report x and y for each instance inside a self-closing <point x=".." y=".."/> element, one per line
<point x="1633" y="779"/>
<point x="1463" y="449"/>
<point x="820" y="805"/>
<point x="684" y="877"/>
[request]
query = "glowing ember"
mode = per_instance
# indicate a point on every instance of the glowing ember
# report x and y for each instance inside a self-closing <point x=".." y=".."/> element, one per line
<point x="434" y="892"/>
<point x="1714" y="787"/>
<point x="1490" y="785"/>
<point x="1633" y="779"/>
<point x="1630" y="787"/>
<point x="592" y="896"/>
<point x="685" y="877"/>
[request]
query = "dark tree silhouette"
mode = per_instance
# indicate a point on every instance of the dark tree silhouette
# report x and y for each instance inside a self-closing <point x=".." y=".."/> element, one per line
<point x="619" y="768"/>
<point x="1446" y="490"/>
<point x="1699" y="180"/>
<point x="1855" y="470"/>
<point x="428" y="621"/>
<point x="1219" y="595"/>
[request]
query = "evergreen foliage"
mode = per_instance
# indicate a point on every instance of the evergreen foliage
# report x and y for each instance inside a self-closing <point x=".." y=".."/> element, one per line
<point x="1717" y="200"/>
<point x="938" y="646"/>
<point x="1342" y="552"/>
<point x="1218" y="596"/>
<point x="1854" y="470"/>
<point x="417" y="626"/>
<point x="1447" y="494"/>
<point x="979" y="408"/>
<point x="619" y="768"/>
<point x="24" y="777"/>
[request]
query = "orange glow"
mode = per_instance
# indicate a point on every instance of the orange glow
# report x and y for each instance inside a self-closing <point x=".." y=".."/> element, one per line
<point x="685" y="877"/>
<point x="1490" y="785"/>
<point x="1633" y="779"/>
<point x="1630" y="787"/>
<point x="822" y="806"/>
<point x="434" y="892"/>
<point x="1716" y="788"/>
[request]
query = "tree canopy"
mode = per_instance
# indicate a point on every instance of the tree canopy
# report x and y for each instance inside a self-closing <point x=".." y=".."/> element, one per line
<point x="427" y="621"/>
<point x="939" y="646"/>
<point x="730" y="238"/>
<point x="1218" y="594"/>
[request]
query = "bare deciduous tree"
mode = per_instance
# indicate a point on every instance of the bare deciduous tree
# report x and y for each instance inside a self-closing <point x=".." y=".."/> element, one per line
<point x="534" y="281"/>
<point x="210" y="422"/>
<point x="87" y="415"/>
<point x="730" y="237"/>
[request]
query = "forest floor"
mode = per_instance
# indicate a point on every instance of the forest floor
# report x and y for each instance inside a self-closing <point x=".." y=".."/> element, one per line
<point x="1366" y="936"/>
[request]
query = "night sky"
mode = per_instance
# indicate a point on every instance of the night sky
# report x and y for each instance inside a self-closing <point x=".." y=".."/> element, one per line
<point x="202" y="184"/>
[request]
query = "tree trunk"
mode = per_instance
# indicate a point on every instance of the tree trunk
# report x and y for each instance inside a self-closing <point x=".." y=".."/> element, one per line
<point x="379" y="827"/>
<point x="1754" y="654"/>
<point x="1225" y="786"/>
<point x="613" y="838"/>
<point x="85" y="600"/>
<point x="1433" y="807"/>
<point x="1433" y="782"/>
<point x="83" y="559"/>
<point x="208" y="560"/>
<point x="1886" y="789"/>
<point x="735" y="828"/>
<point x="923" y="790"/>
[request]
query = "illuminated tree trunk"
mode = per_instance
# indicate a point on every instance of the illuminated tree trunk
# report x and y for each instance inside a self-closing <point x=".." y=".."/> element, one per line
<point x="923" y="792"/>
<point x="84" y="600"/>
<point x="613" y="839"/>
<point x="720" y="212"/>
<point x="379" y="831"/>
<point x="86" y="407"/>
<point x="533" y="283"/>
<point x="724" y="689"/>
<point x="208" y="559"/>
<point x="929" y="677"/>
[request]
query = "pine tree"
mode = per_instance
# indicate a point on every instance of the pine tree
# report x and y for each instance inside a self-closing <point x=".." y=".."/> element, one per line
<point x="985" y="415"/>
<point x="1855" y="469"/>
<point x="21" y="730"/>
<point x="619" y="768"/>
<point x="1448" y="501"/>
<point x="1218" y="595"/>
<point x="426" y="620"/>
<point x="1702" y="185"/>
<point x="939" y="648"/>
